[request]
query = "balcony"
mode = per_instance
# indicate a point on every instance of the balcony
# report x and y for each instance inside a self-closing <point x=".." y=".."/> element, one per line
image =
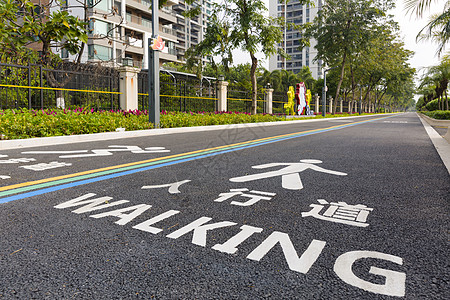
<point x="167" y="30"/>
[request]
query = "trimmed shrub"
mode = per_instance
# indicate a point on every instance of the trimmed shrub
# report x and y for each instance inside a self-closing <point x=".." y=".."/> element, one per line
<point x="438" y="114"/>
<point x="432" y="105"/>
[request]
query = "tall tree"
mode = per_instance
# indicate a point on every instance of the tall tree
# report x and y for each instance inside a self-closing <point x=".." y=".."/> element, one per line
<point x="343" y="28"/>
<point x="241" y="24"/>
<point x="24" y="22"/>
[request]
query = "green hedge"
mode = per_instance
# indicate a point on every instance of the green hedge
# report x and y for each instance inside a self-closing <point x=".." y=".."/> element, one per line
<point x="432" y="105"/>
<point x="438" y="114"/>
<point x="22" y="124"/>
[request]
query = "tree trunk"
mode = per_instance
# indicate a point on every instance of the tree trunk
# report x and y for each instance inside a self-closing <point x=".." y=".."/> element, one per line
<point x="253" y="79"/>
<point x="340" y="82"/>
<point x="446" y="100"/>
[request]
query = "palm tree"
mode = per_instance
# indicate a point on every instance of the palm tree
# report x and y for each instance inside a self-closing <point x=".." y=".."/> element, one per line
<point x="305" y="76"/>
<point x="438" y="28"/>
<point x="437" y="78"/>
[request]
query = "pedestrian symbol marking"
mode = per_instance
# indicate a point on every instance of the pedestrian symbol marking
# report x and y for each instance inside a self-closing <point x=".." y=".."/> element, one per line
<point x="16" y="160"/>
<point x="44" y="166"/>
<point x="102" y="152"/>
<point x="340" y="212"/>
<point x="290" y="174"/>
<point x="173" y="187"/>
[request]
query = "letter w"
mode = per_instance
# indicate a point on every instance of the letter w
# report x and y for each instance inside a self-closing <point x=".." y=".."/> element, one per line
<point x="90" y="204"/>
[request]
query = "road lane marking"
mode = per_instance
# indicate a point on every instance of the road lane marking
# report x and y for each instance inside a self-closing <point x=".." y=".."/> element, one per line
<point x="85" y="177"/>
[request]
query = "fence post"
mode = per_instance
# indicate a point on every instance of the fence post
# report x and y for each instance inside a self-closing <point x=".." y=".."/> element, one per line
<point x="41" y="92"/>
<point x="222" y="96"/>
<point x="342" y="106"/>
<point x="317" y="104"/>
<point x="331" y="105"/>
<point x="128" y="88"/>
<point x="269" y="97"/>
<point x="29" y="84"/>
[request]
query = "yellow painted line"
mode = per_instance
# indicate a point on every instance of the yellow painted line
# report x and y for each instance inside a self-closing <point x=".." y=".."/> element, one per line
<point x="237" y="99"/>
<point x="192" y="97"/>
<point x="19" y="185"/>
<point x="57" y="89"/>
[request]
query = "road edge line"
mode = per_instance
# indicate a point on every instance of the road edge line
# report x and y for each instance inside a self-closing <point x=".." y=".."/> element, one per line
<point x="440" y="144"/>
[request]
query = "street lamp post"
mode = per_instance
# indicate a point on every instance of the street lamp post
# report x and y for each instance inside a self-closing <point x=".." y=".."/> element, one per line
<point x="324" y="91"/>
<point x="153" y="71"/>
<point x="267" y="97"/>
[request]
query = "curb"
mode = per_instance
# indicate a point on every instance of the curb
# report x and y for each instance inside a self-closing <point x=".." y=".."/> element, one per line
<point x="441" y="145"/>
<point x="434" y="122"/>
<point x="61" y="140"/>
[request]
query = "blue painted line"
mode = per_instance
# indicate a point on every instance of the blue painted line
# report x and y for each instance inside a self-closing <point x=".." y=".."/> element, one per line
<point x="111" y="176"/>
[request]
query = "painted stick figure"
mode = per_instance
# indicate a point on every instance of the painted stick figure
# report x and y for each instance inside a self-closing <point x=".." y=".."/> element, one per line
<point x="290" y="176"/>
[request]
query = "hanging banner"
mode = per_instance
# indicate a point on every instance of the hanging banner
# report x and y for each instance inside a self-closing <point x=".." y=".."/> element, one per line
<point x="158" y="43"/>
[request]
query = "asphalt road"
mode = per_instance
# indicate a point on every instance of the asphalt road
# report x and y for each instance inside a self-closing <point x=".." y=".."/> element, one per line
<point x="337" y="209"/>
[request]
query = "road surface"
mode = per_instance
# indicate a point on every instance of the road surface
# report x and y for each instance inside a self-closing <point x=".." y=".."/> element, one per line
<point x="336" y="209"/>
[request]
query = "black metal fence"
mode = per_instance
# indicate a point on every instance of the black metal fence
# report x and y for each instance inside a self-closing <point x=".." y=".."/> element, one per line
<point x="240" y="100"/>
<point x="37" y="87"/>
<point x="180" y="92"/>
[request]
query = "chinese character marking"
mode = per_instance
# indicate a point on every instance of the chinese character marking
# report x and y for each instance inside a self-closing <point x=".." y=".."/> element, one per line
<point x="173" y="187"/>
<point x="44" y="166"/>
<point x="290" y="175"/>
<point x="253" y="198"/>
<point x="16" y="160"/>
<point x="102" y="152"/>
<point x="340" y="212"/>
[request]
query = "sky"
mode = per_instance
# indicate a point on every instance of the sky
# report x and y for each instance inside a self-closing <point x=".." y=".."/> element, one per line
<point x="425" y="52"/>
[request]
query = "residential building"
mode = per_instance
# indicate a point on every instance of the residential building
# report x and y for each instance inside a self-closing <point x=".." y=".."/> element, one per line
<point x="120" y="29"/>
<point x="296" y="13"/>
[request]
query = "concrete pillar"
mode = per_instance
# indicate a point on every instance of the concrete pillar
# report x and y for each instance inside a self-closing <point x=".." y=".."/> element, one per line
<point x="128" y="88"/>
<point x="342" y="106"/>
<point x="268" y="106"/>
<point x="317" y="104"/>
<point x="330" y="108"/>
<point x="222" y="96"/>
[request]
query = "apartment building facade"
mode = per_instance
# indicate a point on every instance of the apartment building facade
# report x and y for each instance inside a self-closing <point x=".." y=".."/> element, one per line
<point x="120" y="29"/>
<point x="296" y="13"/>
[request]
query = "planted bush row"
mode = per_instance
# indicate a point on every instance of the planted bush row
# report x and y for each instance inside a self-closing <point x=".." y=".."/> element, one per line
<point x="22" y="124"/>
<point x="438" y="114"/>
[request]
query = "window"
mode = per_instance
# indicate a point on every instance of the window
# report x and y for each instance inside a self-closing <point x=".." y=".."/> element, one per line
<point x="102" y="28"/>
<point x="104" y="5"/>
<point x="99" y="52"/>
<point x="64" y="53"/>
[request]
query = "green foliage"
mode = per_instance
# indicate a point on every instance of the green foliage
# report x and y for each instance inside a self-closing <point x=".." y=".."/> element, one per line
<point x="180" y="119"/>
<point x="438" y="27"/>
<point x="21" y="124"/>
<point x="345" y="30"/>
<point x="24" y="22"/>
<point x="420" y="103"/>
<point x="438" y="114"/>
<point x="240" y="24"/>
<point x="432" y="105"/>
